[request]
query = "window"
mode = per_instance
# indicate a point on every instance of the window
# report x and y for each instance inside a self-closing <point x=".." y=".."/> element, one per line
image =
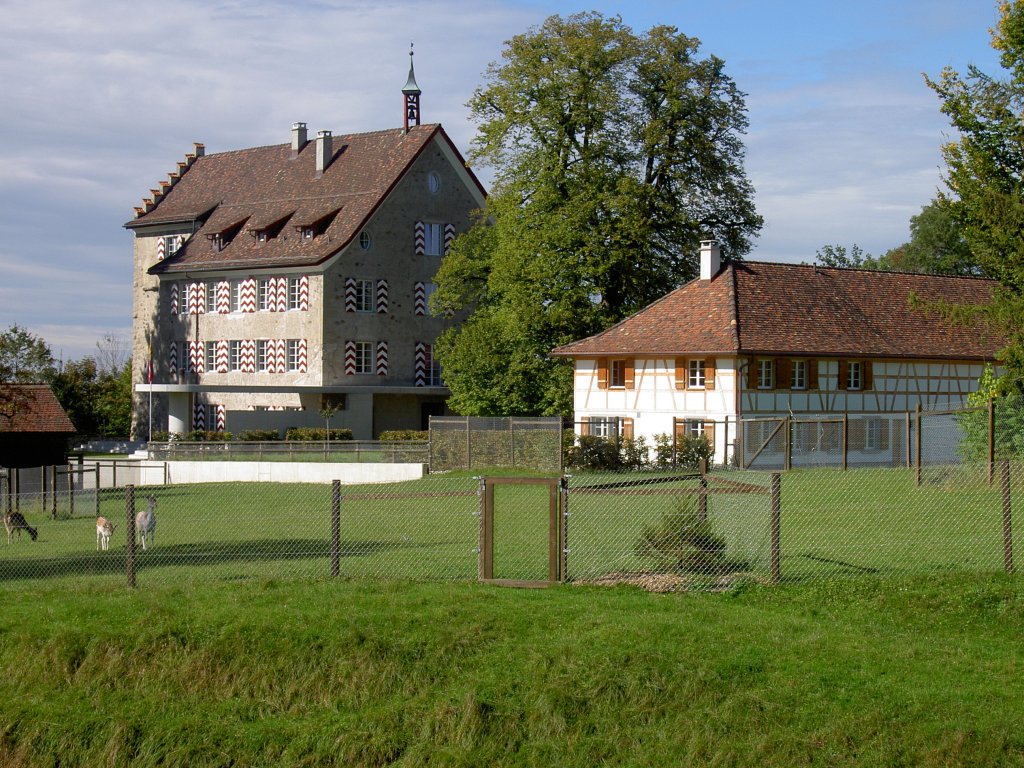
<point x="264" y="295"/>
<point x="365" y="240"/>
<point x="433" y="182"/>
<point x="694" y="428"/>
<point x="236" y="295"/>
<point x="799" y="374"/>
<point x="171" y="245"/>
<point x="765" y="374"/>
<point x="873" y="434"/>
<point x="605" y="426"/>
<point x="211" y="357"/>
<point x="364" y="357"/>
<point x="182" y="298"/>
<point x="364" y="296"/>
<point x="617" y="373"/>
<point x="294" y="292"/>
<point x="854" y="375"/>
<point x="307" y="234"/>
<point x="434" y="239"/>
<point x="234" y="355"/>
<point x="261" y="235"/>
<point x="695" y="379"/>
<point x="264" y="355"/>
<point x="211" y="298"/>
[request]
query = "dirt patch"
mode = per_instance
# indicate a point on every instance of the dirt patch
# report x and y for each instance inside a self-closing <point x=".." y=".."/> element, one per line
<point x="670" y="582"/>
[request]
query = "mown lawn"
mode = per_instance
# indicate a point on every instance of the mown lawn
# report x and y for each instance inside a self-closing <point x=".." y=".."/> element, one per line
<point x="922" y="671"/>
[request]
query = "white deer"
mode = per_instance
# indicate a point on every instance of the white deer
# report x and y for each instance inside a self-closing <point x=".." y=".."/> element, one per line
<point x="104" y="530"/>
<point x="145" y="522"/>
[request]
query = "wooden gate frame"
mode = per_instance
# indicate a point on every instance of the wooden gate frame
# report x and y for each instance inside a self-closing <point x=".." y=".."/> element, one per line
<point x="556" y="563"/>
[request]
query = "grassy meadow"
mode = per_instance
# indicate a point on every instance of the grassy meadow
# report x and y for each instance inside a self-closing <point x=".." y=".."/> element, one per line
<point x="922" y="671"/>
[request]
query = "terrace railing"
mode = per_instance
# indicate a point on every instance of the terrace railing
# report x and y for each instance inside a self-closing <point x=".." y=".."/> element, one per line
<point x="365" y="451"/>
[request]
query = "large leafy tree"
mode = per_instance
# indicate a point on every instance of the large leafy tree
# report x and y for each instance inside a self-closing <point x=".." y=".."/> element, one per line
<point x="614" y="155"/>
<point x="985" y="176"/>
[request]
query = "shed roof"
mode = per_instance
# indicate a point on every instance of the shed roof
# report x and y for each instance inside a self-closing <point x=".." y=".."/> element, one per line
<point x="32" y="408"/>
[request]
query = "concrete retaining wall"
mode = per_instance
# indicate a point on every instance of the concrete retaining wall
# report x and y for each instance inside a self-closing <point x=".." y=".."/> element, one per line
<point x="179" y="472"/>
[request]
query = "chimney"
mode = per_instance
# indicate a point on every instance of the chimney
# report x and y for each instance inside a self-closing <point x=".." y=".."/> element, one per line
<point x="710" y="259"/>
<point x="298" y="137"/>
<point x="324" y="152"/>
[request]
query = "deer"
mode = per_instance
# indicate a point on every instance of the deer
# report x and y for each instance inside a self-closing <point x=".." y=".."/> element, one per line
<point x="145" y="522"/>
<point x="15" y="521"/>
<point x="104" y="530"/>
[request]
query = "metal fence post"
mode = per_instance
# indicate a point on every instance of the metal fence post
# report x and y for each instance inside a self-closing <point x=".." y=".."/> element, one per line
<point x="776" y="528"/>
<point x="335" y="527"/>
<point x="917" y="447"/>
<point x="846" y="441"/>
<point x="129" y="503"/>
<point x="53" y="487"/>
<point x="71" y="492"/>
<point x="1007" y="518"/>
<point x="991" y="440"/>
<point x="702" y="493"/>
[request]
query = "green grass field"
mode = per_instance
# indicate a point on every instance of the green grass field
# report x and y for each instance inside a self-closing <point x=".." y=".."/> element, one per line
<point x="833" y="523"/>
<point x="921" y="671"/>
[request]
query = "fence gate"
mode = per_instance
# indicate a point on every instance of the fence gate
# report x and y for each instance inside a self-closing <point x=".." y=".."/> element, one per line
<point x="521" y="536"/>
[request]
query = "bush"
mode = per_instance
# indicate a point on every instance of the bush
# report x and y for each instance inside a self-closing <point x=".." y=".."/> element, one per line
<point x="309" y="434"/>
<point x="591" y="452"/>
<point x="693" y="449"/>
<point x="207" y="436"/>
<point x="397" y="435"/>
<point x="259" y="435"/>
<point x="683" y="542"/>
<point x="166" y="437"/>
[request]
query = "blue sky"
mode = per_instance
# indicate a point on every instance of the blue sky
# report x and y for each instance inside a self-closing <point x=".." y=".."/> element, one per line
<point x="102" y="99"/>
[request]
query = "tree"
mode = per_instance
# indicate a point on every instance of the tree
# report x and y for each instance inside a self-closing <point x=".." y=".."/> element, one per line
<point x="937" y="245"/>
<point x="24" y="357"/>
<point x="985" y="177"/>
<point x="614" y="155"/>
<point x="838" y="256"/>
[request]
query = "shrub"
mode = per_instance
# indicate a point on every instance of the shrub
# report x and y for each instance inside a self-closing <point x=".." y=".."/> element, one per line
<point x="259" y="435"/>
<point x="692" y="449"/>
<point x="592" y="452"/>
<point x="396" y="435"/>
<point x="166" y="437"/>
<point x="683" y="542"/>
<point x="207" y="436"/>
<point x="304" y="434"/>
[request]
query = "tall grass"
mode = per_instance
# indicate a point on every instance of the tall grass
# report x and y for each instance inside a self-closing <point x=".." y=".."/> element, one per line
<point x="872" y="672"/>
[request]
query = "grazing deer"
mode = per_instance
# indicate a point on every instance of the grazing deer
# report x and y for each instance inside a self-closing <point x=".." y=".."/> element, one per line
<point x="15" y="521"/>
<point x="104" y="530"/>
<point x="145" y="522"/>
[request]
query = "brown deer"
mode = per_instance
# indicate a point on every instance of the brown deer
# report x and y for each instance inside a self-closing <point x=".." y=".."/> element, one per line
<point x="15" y="521"/>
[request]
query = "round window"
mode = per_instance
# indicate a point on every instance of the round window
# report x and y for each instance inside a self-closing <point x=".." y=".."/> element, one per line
<point x="365" y="241"/>
<point x="433" y="183"/>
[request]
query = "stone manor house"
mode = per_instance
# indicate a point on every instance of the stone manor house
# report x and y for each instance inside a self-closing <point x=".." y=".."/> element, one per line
<point x="274" y="281"/>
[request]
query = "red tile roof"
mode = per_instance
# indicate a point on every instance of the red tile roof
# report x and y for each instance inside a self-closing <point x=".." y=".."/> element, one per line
<point x="32" y="408"/>
<point x="765" y="308"/>
<point x="261" y="186"/>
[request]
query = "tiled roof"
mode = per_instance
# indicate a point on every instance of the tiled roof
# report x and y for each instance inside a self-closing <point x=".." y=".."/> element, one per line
<point x="32" y="408"/>
<point x="258" y="187"/>
<point x="766" y="308"/>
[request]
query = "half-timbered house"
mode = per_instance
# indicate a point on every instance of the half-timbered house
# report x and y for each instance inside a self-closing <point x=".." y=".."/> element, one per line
<point x="757" y="342"/>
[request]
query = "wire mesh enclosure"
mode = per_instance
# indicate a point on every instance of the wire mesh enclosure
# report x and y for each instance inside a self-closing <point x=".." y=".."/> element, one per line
<point x="470" y="442"/>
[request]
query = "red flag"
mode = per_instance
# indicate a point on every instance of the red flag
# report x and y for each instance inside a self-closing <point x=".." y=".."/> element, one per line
<point x="149" y="366"/>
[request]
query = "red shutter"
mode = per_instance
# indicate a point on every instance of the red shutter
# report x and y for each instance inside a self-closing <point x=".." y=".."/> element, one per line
<point x="783" y="373"/>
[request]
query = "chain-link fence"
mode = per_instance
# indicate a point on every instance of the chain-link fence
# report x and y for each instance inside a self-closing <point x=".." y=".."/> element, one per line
<point x="470" y="442"/>
<point x="667" y="529"/>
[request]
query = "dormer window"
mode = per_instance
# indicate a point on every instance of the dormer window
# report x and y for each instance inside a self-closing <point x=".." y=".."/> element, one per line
<point x="217" y="241"/>
<point x="261" y="235"/>
<point x="308" y="233"/>
<point x="221" y="240"/>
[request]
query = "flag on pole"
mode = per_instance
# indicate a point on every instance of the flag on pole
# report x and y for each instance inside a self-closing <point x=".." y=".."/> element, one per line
<point x="149" y="366"/>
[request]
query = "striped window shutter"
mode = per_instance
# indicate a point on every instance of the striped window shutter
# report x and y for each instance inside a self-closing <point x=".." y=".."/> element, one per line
<point x="248" y="297"/>
<point x="160" y="248"/>
<point x="172" y="360"/>
<point x="221" y="417"/>
<point x="421" y="364"/>
<point x="449" y="236"/>
<point x="282" y="353"/>
<point x="709" y="373"/>
<point x="223" y="297"/>
<point x="248" y="355"/>
<point x="419" y="299"/>
<point x="222" y="356"/>
<point x="382" y="296"/>
<point x="350" y="358"/>
<point x="195" y="359"/>
<point x="350" y="294"/>
<point x="302" y="356"/>
<point x="304" y="293"/>
<point x="382" y="358"/>
<point x="282" y="294"/>
<point x="174" y="299"/>
<point x="196" y="302"/>
<point x="420" y="239"/>
<point x="199" y="416"/>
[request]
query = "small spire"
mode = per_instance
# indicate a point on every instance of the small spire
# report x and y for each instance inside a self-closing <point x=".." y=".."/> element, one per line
<point x="411" y="97"/>
<point x="410" y="86"/>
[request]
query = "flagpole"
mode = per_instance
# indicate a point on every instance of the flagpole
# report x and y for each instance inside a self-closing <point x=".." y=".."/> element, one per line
<point x="149" y="379"/>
